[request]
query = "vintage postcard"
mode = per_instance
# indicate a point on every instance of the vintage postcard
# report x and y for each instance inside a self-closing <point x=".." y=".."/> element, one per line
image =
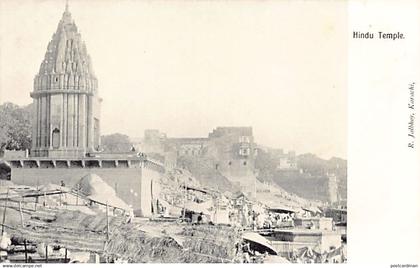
<point x="182" y="131"/>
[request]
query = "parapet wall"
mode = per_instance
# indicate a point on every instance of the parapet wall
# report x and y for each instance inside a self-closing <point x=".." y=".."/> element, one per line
<point x="132" y="180"/>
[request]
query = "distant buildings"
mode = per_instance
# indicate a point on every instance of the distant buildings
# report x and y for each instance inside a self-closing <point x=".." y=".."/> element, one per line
<point x="333" y="188"/>
<point x="234" y="147"/>
<point x="287" y="161"/>
<point x="231" y="149"/>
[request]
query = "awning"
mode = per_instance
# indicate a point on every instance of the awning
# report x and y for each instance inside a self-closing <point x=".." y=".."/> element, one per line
<point x="195" y="189"/>
<point x="282" y="209"/>
<point x="312" y="209"/>
<point x="260" y="243"/>
<point x="198" y="207"/>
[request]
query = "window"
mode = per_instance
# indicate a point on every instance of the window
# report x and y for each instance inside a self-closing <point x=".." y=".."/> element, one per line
<point x="56" y="138"/>
<point x="244" y="139"/>
<point x="244" y="163"/>
<point x="244" y="151"/>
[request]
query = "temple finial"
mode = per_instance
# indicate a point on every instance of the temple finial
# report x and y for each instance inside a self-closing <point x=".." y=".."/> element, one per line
<point x="67" y="6"/>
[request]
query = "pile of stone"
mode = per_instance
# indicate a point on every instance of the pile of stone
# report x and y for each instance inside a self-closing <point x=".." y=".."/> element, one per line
<point x="96" y="189"/>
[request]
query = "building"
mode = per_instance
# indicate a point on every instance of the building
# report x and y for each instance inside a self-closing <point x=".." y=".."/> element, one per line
<point x="285" y="161"/>
<point x="332" y="188"/>
<point x="287" y="241"/>
<point x="234" y="148"/>
<point x="153" y="140"/>
<point x="231" y="150"/>
<point x="65" y="96"/>
<point x="66" y="132"/>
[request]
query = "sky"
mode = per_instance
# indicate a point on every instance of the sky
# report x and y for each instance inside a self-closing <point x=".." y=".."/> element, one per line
<point x="186" y="67"/>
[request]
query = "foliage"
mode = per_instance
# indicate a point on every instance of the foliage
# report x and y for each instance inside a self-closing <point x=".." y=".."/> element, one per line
<point x="15" y="127"/>
<point x="116" y="143"/>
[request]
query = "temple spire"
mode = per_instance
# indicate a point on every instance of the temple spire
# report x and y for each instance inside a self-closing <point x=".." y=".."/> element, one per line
<point x="66" y="96"/>
<point x="66" y="19"/>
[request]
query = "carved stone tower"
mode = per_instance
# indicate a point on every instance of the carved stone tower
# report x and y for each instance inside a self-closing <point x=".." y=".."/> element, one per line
<point x="65" y="97"/>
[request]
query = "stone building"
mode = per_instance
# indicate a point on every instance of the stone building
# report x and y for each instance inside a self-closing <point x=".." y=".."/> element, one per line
<point x="287" y="161"/>
<point x="234" y="147"/>
<point x="231" y="149"/>
<point x="235" y="151"/>
<point x="153" y="141"/>
<point x="65" y="96"/>
<point x="66" y="129"/>
<point x="332" y="188"/>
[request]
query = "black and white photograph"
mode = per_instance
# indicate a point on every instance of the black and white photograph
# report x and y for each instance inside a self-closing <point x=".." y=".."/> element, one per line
<point x="173" y="131"/>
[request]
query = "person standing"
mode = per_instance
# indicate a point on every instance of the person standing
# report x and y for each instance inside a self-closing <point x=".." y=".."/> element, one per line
<point x="5" y="242"/>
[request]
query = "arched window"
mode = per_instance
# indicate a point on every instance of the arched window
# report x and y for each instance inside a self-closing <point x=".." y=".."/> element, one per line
<point x="56" y="138"/>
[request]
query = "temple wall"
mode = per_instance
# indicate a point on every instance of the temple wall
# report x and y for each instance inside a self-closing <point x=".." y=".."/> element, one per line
<point x="132" y="184"/>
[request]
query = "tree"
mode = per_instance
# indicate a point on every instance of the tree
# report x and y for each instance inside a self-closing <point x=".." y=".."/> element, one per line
<point x="116" y="143"/>
<point x="15" y="127"/>
<point x="266" y="165"/>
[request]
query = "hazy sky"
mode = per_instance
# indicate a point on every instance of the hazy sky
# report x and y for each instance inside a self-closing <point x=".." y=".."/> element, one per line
<point x="186" y="67"/>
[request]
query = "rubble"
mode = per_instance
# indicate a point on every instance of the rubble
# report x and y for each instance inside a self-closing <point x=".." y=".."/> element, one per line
<point x="192" y="224"/>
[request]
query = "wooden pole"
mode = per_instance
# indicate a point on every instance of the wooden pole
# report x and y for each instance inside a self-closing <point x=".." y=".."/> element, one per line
<point x="185" y="200"/>
<point x="151" y="198"/>
<point x="21" y="213"/>
<point x="26" y="251"/>
<point x="65" y="256"/>
<point x="4" y="212"/>
<point x="77" y="196"/>
<point x="46" y="253"/>
<point x="107" y="221"/>
<point x="37" y="197"/>
<point x="45" y="199"/>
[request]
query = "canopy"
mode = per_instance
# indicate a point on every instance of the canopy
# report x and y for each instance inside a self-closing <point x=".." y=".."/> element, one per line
<point x="260" y="242"/>
<point x="198" y="189"/>
<point x="280" y="208"/>
<point x="312" y="209"/>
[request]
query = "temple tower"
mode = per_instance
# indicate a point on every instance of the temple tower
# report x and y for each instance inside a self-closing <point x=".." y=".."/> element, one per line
<point x="65" y="97"/>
